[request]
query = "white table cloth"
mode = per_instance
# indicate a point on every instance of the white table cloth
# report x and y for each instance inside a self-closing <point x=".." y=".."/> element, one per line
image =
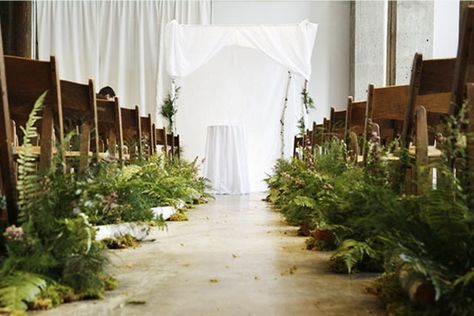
<point x="226" y="160"/>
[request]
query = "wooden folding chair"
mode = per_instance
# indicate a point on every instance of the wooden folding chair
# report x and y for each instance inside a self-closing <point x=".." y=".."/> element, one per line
<point x="161" y="139"/>
<point x="80" y="109"/>
<point x="173" y="142"/>
<point x="110" y="129"/>
<point x="147" y="134"/>
<point x="27" y="79"/>
<point x="316" y="136"/>
<point x="385" y="107"/>
<point x="356" y="112"/>
<point x="338" y="123"/>
<point x="132" y="130"/>
<point x="7" y="169"/>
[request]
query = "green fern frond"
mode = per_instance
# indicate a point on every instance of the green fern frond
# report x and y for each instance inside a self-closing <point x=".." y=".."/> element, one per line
<point x="28" y="180"/>
<point x="20" y="289"/>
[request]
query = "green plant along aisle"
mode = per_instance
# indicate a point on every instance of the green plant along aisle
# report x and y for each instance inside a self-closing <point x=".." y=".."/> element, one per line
<point x="423" y="244"/>
<point x="52" y="256"/>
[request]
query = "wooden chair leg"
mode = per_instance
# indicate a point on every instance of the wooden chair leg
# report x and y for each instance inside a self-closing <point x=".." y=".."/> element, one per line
<point x="421" y="143"/>
<point x="84" y="147"/>
<point x="46" y="139"/>
<point x="470" y="138"/>
<point x="112" y="143"/>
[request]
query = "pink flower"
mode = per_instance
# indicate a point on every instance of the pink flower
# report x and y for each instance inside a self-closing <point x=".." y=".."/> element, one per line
<point x="14" y="233"/>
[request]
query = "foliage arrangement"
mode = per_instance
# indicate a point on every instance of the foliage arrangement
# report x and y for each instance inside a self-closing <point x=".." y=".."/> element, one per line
<point x="54" y="248"/>
<point x="308" y="103"/>
<point x="127" y="194"/>
<point x="52" y="256"/>
<point x="423" y="243"/>
<point x="168" y="108"/>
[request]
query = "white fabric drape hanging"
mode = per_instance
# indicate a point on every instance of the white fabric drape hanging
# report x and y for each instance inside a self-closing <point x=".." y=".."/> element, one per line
<point x="191" y="46"/>
<point x="116" y="43"/>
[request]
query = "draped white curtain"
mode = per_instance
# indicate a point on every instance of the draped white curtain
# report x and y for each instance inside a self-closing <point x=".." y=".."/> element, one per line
<point x="116" y="43"/>
<point x="188" y="47"/>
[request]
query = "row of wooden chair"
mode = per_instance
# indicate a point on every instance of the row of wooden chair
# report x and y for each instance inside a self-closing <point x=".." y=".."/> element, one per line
<point x="411" y="114"/>
<point x="104" y="129"/>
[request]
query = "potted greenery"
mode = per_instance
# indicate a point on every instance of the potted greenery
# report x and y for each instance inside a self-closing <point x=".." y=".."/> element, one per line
<point x="168" y="108"/>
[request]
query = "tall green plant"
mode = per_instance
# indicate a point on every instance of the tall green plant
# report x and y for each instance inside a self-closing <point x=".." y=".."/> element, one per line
<point x="169" y="109"/>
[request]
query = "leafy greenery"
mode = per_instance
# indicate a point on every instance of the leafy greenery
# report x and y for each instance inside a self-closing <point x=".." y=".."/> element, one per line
<point x="115" y="194"/>
<point x="424" y="243"/>
<point x="20" y="289"/>
<point x="168" y="108"/>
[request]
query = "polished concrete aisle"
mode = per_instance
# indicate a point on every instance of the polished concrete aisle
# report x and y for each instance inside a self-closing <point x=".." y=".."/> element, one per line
<point x="234" y="256"/>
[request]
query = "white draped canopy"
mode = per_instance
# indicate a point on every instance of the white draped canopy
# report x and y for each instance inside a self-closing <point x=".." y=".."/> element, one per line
<point x="190" y="46"/>
<point x="238" y="76"/>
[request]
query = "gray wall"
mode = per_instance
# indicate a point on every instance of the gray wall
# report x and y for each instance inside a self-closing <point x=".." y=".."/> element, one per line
<point x="370" y="49"/>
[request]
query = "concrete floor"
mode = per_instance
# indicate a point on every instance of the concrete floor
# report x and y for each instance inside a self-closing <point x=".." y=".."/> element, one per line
<point x="233" y="257"/>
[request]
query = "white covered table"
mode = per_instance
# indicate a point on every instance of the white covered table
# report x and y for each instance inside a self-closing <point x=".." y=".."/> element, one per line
<point x="226" y="160"/>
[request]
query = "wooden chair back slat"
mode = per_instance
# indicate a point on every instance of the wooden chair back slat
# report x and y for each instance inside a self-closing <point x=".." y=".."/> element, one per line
<point x="7" y="170"/>
<point x="437" y="76"/>
<point x="389" y="103"/>
<point x="75" y="99"/>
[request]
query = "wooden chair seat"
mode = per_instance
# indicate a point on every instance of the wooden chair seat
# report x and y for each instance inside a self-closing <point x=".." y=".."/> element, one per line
<point x="36" y="150"/>
<point x="104" y="156"/>
<point x="433" y="152"/>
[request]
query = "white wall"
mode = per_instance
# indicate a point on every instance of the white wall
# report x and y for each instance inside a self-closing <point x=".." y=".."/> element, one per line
<point x="446" y="28"/>
<point x="329" y="85"/>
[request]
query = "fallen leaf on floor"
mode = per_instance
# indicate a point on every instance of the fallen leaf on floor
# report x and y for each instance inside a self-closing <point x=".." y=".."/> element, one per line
<point x="182" y="245"/>
<point x="293" y="269"/>
<point x="186" y="265"/>
<point x="234" y="255"/>
<point x="213" y="280"/>
<point x="133" y="302"/>
<point x="255" y="277"/>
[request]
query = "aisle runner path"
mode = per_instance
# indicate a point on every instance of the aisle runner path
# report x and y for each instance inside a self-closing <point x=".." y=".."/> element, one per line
<point x="233" y="257"/>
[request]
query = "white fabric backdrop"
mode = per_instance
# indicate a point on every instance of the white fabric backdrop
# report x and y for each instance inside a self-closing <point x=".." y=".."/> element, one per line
<point x="116" y="43"/>
<point x="188" y="47"/>
<point x="240" y="86"/>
